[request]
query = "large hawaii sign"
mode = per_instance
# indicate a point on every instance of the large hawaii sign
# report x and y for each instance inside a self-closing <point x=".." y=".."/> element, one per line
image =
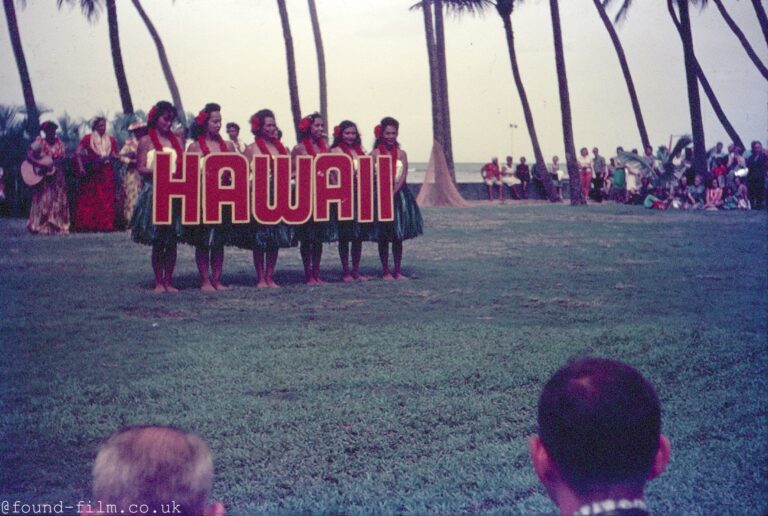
<point x="274" y="194"/>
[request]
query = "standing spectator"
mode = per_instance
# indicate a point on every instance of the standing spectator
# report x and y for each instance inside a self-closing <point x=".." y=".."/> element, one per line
<point x="523" y="173"/>
<point x="618" y="182"/>
<point x="491" y="173"/>
<point x="95" y="200"/>
<point x="557" y="177"/>
<point x="509" y="178"/>
<point x="233" y="131"/>
<point x="698" y="192"/>
<point x="757" y="164"/>
<point x="600" y="170"/>
<point x="600" y="441"/>
<point x="716" y="155"/>
<point x="736" y="162"/>
<point x="651" y="160"/>
<point x="585" y="172"/>
<point x="132" y="181"/>
<point x="49" y="213"/>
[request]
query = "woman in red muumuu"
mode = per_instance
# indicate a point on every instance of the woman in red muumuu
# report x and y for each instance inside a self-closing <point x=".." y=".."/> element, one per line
<point x="95" y="195"/>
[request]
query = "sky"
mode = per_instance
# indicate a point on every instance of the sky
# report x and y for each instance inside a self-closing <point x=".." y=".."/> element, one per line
<point x="232" y="52"/>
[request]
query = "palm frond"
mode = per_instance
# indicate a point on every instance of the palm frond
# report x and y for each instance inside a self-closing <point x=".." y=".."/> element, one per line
<point x="633" y="160"/>
<point x="682" y="142"/>
<point x="89" y="8"/>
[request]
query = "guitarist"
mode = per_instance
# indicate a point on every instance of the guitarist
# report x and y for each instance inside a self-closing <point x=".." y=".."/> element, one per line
<point x="95" y="197"/>
<point x="49" y="211"/>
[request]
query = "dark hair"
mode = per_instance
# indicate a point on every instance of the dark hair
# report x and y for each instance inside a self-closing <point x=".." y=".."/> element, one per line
<point x="231" y="125"/>
<point x="260" y="115"/>
<point x="600" y="422"/>
<point x="386" y="122"/>
<point x="198" y="128"/>
<point x="158" y="110"/>
<point x="311" y="117"/>
<point x="343" y="126"/>
<point x="96" y="121"/>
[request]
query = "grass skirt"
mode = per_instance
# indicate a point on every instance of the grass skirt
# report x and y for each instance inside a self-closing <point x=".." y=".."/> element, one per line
<point x="314" y="231"/>
<point x="207" y="236"/>
<point x="407" y="224"/>
<point x="142" y="229"/>
<point x="261" y="236"/>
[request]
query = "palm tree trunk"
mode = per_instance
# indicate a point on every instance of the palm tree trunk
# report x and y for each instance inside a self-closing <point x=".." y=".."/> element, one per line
<point x="625" y="71"/>
<point x="694" y="102"/>
<point x="320" y="61"/>
<point x="541" y="167"/>
<point x="164" y="63"/>
<point x="293" y="87"/>
<point x="443" y="76"/>
<point x="762" y="18"/>
<point x="565" y="107"/>
<point x="33" y="116"/>
<point x="434" y="83"/>
<point x="117" y="58"/>
<point x="714" y="102"/>
<point x="742" y="39"/>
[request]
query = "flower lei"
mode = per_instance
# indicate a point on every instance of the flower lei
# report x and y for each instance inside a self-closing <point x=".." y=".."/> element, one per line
<point x="152" y="115"/>
<point x="393" y="152"/>
<point x="204" y="146"/>
<point x="322" y="146"/>
<point x="348" y="150"/>
<point x="262" y="144"/>
<point x="155" y="137"/>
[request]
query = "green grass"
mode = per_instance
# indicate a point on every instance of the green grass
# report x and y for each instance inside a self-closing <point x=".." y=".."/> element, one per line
<point x="413" y="397"/>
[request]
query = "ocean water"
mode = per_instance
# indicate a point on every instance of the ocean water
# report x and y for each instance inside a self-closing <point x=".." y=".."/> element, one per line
<point x="465" y="172"/>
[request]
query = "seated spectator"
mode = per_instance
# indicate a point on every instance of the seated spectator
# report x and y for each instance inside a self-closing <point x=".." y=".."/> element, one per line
<point x="618" y="182"/>
<point x="714" y="196"/>
<point x="599" y="439"/>
<point x="509" y="178"/>
<point x="730" y="202"/>
<point x="681" y="197"/>
<point x="640" y="195"/>
<point x="491" y="177"/>
<point x="658" y="200"/>
<point x="698" y="193"/>
<point x="523" y="173"/>
<point x="742" y="194"/>
<point x="155" y="469"/>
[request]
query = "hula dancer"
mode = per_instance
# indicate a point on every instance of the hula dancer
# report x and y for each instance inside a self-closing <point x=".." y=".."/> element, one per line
<point x="262" y="239"/>
<point x="209" y="239"/>
<point x="313" y="234"/>
<point x="163" y="238"/>
<point x="407" y="223"/>
<point x="346" y="140"/>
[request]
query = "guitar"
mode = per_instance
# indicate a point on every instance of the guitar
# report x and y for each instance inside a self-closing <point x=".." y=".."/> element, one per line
<point x="32" y="174"/>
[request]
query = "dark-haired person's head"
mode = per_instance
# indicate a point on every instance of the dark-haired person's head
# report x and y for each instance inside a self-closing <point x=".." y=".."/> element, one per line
<point x="201" y="123"/>
<point x="233" y="130"/>
<point x="162" y="109"/>
<point x="311" y="125"/>
<point x="263" y="124"/>
<point x="386" y="132"/>
<point x="599" y="438"/>
<point x="344" y="133"/>
<point x="152" y="470"/>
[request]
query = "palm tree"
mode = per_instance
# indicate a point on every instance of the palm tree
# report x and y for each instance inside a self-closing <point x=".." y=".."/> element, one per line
<point x="447" y="141"/>
<point x="694" y="102"/>
<point x="164" y="64"/>
<point x="320" y="60"/>
<point x="624" y="70"/>
<point x="761" y="17"/>
<point x="90" y="9"/>
<point x="33" y="116"/>
<point x="434" y="82"/>
<point x="742" y="39"/>
<point x="565" y="107"/>
<point x="293" y="87"/>
<point x="714" y="102"/>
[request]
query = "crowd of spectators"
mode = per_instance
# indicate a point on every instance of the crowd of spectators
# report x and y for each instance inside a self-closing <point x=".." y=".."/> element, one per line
<point x="734" y="179"/>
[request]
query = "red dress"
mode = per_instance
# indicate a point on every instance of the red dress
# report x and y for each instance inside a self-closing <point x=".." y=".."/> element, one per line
<point x="95" y="196"/>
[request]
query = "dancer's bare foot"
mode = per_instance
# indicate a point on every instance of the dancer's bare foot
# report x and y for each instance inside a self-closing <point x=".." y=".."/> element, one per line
<point x="262" y="284"/>
<point x="159" y="287"/>
<point x="359" y="277"/>
<point x="271" y="283"/>
<point x="170" y="288"/>
<point x="388" y="277"/>
<point x="310" y="281"/>
<point x="221" y="286"/>
<point x="401" y="277"/>
<point x="347" y="278"/>
<point x="207" y="287"/>
<point x="319" y="281"/>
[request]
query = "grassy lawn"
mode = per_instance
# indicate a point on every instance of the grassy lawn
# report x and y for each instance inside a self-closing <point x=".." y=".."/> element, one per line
<point x="415" y="397"/>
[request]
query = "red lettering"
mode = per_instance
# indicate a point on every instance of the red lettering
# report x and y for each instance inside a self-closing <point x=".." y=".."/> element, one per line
<point x="218" y="192"/>
<point x="341" y="193"/>
<point x="365" y="189"/>
<point x="384" y="182"/>
<point x="271" y="192"/>
<point x="184" y="185"/>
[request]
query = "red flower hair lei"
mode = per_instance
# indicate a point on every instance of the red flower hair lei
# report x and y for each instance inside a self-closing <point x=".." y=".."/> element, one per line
<point x="202" y="117"/>
<point x="152" y="115"/>
<point x="255" y="124"/>
<point x="377" y="131"/>
<point x="305" y="125"/>
<point x="337" y="132"/>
